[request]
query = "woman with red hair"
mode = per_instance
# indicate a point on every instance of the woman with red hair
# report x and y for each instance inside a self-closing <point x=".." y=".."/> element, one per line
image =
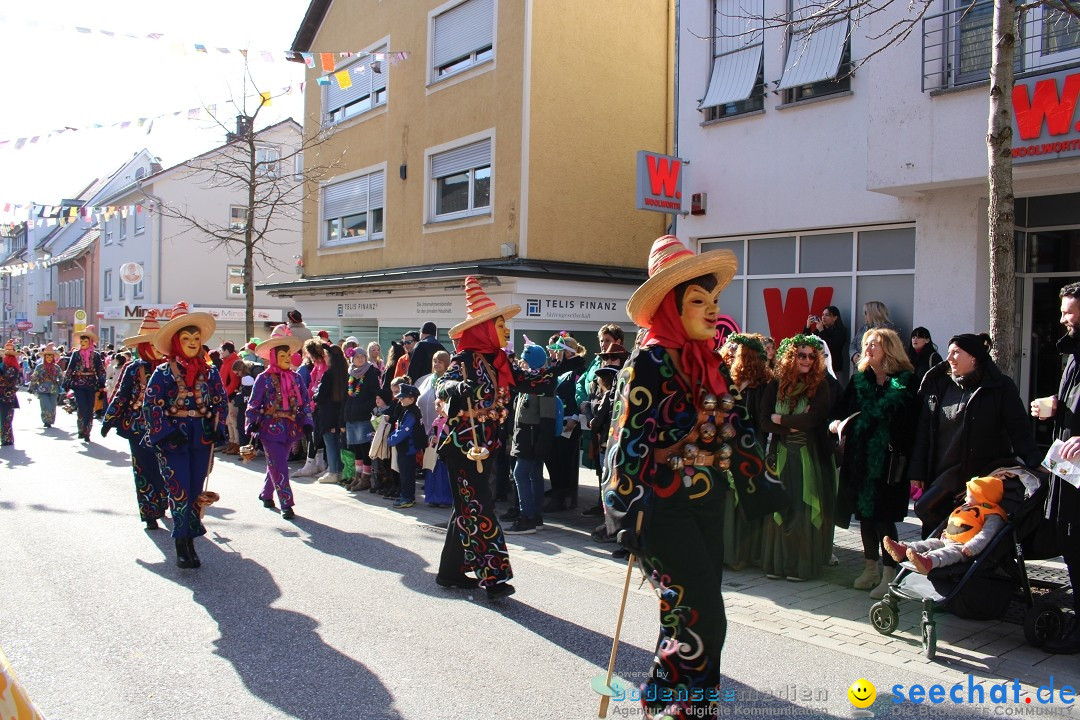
<point x="125" y="414"/>
<point x="476" y="390"/>
<point x="185" y="409"/>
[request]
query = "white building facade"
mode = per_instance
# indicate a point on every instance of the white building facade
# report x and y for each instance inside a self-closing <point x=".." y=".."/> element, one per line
<point x="873" y="186"/>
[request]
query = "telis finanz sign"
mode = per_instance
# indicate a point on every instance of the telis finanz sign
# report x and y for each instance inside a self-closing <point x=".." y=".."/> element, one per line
<point x="659" y="182"/>
<point x="1045" y="126"/>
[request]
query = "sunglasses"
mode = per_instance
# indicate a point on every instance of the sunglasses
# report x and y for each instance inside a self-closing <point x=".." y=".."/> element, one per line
<point x="805" y="355"/>
<point x="408" y="342"/>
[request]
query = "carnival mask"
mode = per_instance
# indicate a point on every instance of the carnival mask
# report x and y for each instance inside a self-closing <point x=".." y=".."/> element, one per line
<point x="699" y="311"/>
<point x="190" y="341"/>
<point x="283" y="358"/>
<point x="502" y="331"/>
<point x="84" y="343"/>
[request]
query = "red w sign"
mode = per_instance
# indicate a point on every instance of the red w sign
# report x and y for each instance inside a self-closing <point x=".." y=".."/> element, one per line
<point x="659" y="182"/>
<point x="1043" y="109"/>
<point x="789" y="319"/>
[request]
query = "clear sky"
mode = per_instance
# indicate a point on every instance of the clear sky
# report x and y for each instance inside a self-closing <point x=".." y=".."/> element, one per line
<point x="53" y="76"/>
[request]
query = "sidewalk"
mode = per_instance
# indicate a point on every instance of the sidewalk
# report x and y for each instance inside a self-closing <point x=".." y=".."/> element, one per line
<point x="826" y="612"/>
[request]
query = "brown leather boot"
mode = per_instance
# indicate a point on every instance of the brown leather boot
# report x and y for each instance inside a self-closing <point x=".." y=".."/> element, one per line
<point x="363" y="481"/>
<point x="232" y="449"/>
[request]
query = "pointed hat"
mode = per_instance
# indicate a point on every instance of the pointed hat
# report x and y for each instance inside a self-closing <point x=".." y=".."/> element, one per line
<point x="479" y="308"/>
<point x="671" y="263"/>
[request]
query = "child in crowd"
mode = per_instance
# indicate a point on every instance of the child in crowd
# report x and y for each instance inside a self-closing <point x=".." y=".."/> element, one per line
<point x="406" y="439"/>
<point x="382" y="481"/>
<point x="437" y="480"/>
<point x="971" y="526"/>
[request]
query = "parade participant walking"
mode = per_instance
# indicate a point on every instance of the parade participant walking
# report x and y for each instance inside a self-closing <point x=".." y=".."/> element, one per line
<point x="663" y="487"/>
<point x="476" y="390"/>
<point x="279" y="413"/>
<point x="10" y="375"/>
<point x="85" y="376"/>
<point x="185" y="411"/>
<point x="125" y="414"/>
<point x="45" y="382"/>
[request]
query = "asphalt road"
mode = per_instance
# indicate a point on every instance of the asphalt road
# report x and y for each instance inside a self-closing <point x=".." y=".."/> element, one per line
<point x="333" y="615"/>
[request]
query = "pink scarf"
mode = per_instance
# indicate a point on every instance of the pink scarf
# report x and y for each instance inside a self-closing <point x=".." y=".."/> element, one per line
<point x="86" y="357"/>
<point x="288" y="385"/>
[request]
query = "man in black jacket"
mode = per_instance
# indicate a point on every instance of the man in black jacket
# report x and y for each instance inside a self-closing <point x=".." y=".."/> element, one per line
<point x="423" y="350"/>
<point x="1064" y="410"/>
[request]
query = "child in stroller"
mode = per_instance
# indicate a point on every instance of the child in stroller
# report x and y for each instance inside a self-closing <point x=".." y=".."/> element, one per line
<point x="969" y="530"/>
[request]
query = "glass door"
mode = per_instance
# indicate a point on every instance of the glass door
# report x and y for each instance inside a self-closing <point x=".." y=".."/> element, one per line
<point x="1042" y="312"/>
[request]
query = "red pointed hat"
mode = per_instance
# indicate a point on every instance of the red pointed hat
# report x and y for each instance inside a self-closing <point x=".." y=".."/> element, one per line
<point x="147" y="329"/>
<point x="180" y="318"/>
<point x="670" y="264"/>
<point x="479" y="307"/>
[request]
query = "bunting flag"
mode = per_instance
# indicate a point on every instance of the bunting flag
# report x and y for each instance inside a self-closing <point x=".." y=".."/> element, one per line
<point x="327" y="60"/>
<point x="265" y="99"/>
<point x="343" y="79"/>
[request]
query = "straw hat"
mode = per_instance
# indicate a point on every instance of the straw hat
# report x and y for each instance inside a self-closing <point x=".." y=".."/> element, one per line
<point x="479" y="307"/>
<point x="613" y="350"/>
<point x="147" y="328"/>
<point x="180" y="318"/>
<point x="49" y="349"/>
<point x="281" y="336"/>
<point x="670" y="264"/>
<point x="89" y="332"/>
<point x="9" y="347"/>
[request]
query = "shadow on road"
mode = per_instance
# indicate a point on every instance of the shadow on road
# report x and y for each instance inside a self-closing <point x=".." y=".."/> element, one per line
<point x="14" y="457"/>
<point x="277" y="653"/>
<point x="113" y="458"/>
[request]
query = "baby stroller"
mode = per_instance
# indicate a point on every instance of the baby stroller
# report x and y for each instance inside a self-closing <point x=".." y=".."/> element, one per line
<point x="983" y="588"/>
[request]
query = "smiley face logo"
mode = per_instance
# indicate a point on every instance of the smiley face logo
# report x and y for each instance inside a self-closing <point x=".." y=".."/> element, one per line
<point x="862" y="693"/>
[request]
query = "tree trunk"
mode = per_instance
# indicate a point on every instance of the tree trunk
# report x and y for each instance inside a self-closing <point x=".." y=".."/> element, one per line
<point x="249" y="232"/>
<point x="249" y="290"/>
<point x="1002" y="213"/>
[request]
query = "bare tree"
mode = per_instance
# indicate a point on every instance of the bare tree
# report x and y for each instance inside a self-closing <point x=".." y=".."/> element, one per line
<point x="1001" y="214"/>
<point x="273" y="195"/>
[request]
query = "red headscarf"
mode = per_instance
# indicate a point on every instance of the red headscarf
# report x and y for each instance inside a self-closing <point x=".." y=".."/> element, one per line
<point x="698" y="357"/>
<point x="484" y="339"/>
<point x="146" y="352"/>
<point x="191" y="366"/>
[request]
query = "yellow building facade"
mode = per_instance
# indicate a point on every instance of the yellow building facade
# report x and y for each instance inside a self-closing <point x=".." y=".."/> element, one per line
<point x="494" y="138"/>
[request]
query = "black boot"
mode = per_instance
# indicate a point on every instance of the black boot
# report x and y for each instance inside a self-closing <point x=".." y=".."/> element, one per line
<point x="195" y="562"/>
<point x="183" y="554"/>
<point x="151" y="524"/>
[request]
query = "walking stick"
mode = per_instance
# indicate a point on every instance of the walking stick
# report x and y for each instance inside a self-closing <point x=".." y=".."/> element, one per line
<point x="477" y="453"/>
<point x="605" y="696"/>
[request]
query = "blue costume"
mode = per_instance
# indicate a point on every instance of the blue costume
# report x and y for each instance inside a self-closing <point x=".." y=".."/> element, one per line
<point x="85" y="379"/>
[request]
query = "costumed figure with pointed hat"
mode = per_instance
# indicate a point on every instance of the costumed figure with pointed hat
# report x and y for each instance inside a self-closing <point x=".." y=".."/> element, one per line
<point x="185" y="409"/>
<point x="125" y="414"/>
<point x="85" y="376"/>
<point x="279" y="413"/>
<point x="45" y="383"/>
<point x="476" y="390"/>
<point x="668" y="456"/>
<point x="10" y="374"/>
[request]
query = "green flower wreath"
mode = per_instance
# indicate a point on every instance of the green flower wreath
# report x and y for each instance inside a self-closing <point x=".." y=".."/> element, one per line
<point x="798" y="341"/>
<point x="747" y="341"/>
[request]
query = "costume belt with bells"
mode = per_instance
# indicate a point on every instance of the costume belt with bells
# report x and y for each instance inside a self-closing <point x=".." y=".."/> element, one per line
<point x="699" y="447"/>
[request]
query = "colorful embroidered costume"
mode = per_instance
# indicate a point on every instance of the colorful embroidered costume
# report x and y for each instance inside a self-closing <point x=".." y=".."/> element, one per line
<point x="667" y="471"/>
<point x="45" y="382"/>
<point x="85" y="375"/>
<point x="10" y="374"/>
<point x="279" y="424"/>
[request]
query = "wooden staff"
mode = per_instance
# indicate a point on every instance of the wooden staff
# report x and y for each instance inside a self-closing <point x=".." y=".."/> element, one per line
<point x="477" y="453"/>
<point x="605" y="698"/>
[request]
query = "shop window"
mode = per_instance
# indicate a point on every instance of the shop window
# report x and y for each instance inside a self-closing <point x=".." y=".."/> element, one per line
<point x="771" y="256"/>
<point x="887" y="249"/>
<point x="825" y="253"/>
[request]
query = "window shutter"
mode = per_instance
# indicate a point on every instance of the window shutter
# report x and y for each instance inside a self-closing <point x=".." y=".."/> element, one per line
<point x="345" y="198"/>
<point x="737" y="44"/>
<point x="462" y="30"/>
<point x="376" y="189"/>
<point x="814" y="54"/>
<point x="460" y="159"/>
<point x="361" y="86"/>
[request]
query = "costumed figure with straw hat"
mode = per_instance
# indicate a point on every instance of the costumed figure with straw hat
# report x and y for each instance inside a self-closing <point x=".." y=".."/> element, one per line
<point x="666" y="473"/>
<point x="85" y="376"/>
<point x="125" y="414"/>
<point x="10" y="373"/>
<point x="185" y="411"/>
<point x="45" y="383"/>
<point x="476" y="390"/>
<point x="279" y="413"/>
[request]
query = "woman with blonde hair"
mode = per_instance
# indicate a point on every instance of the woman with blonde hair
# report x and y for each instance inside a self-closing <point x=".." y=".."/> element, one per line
<point x="877" y="441"/>
<point x="875" y="315"/>
<point x="795" y="408"/>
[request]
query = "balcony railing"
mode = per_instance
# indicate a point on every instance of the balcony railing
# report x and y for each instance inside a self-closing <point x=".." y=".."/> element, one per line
<point x="957" y="44"/>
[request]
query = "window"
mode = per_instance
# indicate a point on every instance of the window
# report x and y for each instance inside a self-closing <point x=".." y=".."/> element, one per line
<point x="122" y="289"/>
<point x="80" y="293"/>
<point x="108" y="225"/>
<point x="462" y="37"/>
<point x="234" y="282"/>
<point x="237" y="218"/>
<point x="352" y="210"/>
<point x="268" y="161"/>
<point x="737" y="80"/>
<point x="140" y="219"/>
<point x="1051" y="36"/>
<point x="137" y="290"/>
<point x="122" y="221"/>
<point x="368" y="89"/>
<point x="461" y="181"/>
<point x="818" y="54"/>
<point x="107" y="284"/>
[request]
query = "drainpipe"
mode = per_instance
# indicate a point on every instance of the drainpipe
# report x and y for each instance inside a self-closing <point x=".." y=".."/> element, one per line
<point x="675" y="101"/>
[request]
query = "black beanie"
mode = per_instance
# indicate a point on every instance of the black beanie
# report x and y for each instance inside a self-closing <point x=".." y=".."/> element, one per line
<point x="976" y="345"/>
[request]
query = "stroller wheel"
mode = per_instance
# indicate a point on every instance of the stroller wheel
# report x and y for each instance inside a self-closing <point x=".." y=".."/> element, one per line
<point x="1043" y="622"/>
<point x="929" y="641"/>
<point x="884" y="617"/>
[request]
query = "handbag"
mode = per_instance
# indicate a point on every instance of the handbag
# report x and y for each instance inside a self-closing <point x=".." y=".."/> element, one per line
<point x="431" y="456"/>
<point x="895" y="468"/>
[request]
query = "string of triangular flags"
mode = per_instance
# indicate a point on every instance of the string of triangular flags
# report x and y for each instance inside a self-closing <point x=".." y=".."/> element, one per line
<point x="342" y="77"/>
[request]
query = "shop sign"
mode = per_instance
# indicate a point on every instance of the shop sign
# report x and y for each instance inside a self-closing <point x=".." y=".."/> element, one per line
<point x="428" y="307"/>
<point x="570" y="307"/>
<point x="46" y="308"/>
<point x="135" y="312"/>
<point x="1043" y="114"/>
<point x="659" y="182"/>
<point x="131" y="273"/>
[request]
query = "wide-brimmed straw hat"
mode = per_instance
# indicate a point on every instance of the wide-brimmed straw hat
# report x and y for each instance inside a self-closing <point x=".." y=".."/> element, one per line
<point x="281" y="336"/>
<point x="89" y="332"/>
<point x="180" y="318"/>
<point x="479" y="308"/>
<point x="613" y="351"/>
<point x="9" y="347"/>
<point x="147" y="329"/>
<point x="49" y="349"/>
<point x="671" y="263"/>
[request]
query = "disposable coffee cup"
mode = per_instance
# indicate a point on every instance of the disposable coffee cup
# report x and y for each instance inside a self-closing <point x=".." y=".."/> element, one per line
<point x="1046" y="407"/>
